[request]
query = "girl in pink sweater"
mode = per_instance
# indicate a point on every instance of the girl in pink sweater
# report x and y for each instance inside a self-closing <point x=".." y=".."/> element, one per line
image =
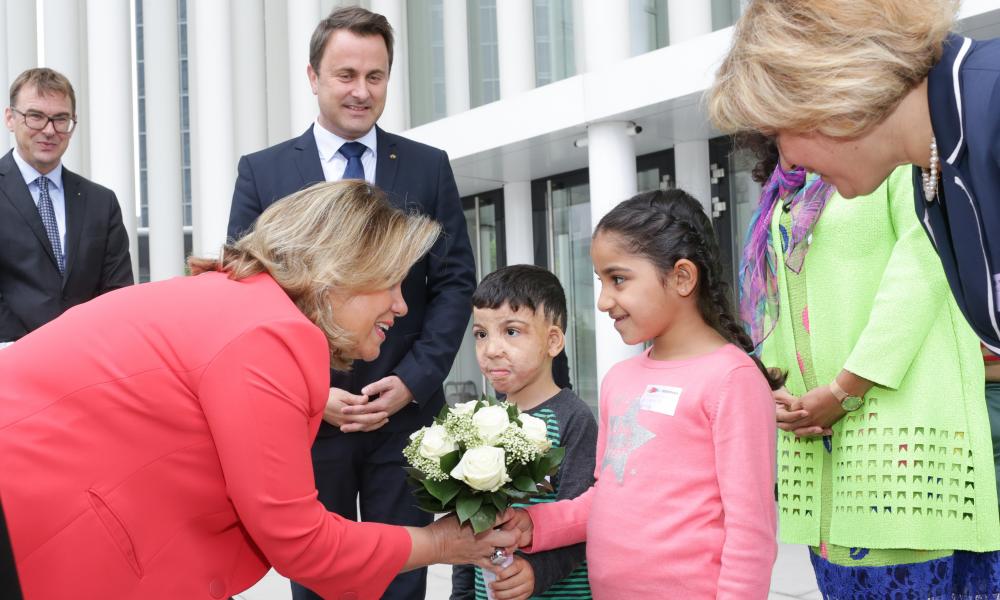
<point x="683" y="502"/>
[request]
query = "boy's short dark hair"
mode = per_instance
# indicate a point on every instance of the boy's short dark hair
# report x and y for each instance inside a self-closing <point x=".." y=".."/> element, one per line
<point x="523" y="285"/>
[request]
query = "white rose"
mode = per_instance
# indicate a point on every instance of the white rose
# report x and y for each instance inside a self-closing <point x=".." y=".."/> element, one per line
<point x="436" y="442"/>
<point x="490" y="422"/>
<point x="483" y="468"/>
<point x="535" y="430"/>
<point x="464" y="408"/>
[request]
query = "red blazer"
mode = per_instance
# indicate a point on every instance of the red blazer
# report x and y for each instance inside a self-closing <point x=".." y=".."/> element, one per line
<point x="154" y="443"/>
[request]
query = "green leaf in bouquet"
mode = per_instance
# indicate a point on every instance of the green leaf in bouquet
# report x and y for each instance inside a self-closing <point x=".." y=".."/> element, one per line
<point x="467" y="506"/>
<point x="448" y="461"/>
<point x="516" y="493"/>
<point x="444" y="491"/>
<point x="525" y="484"/>
<point x="484" y="518"/>
<point x="499" y="500"/>
<point x="443" y="413"/>
<point x="539" y="469"/>
<point x="512" y="412"/>
<point x="555" y="455"/>
<point x="415" y="473"/>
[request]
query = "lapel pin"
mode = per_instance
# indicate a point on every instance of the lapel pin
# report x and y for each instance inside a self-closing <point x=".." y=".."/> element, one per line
<point x="392" y="156"/>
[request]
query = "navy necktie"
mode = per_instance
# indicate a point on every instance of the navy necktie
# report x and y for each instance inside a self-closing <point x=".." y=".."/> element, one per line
<point x="353" y="151"/>
<point x="48" y="215"/>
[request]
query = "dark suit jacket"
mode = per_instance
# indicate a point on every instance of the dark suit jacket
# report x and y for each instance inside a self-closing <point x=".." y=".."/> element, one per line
<point x="32" y="292"/>
<point x="421" y="346"/>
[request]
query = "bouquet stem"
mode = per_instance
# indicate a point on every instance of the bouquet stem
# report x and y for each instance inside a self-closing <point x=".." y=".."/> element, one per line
<point x="500" y="559"/>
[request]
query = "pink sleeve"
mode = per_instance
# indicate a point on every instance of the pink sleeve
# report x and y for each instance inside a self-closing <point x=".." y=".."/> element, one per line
<point x="256" y="398"/>
<point x="564" y="523"/>
<point x="744" y="435"/>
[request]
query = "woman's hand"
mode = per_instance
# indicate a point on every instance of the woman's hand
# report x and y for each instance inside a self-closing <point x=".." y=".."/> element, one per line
<point x="446" y="541"/>
<point x="516" y="582"/>
<point x="786" y="407"/>
<point x="517" y="521"/>
<point x="821" y="408"/>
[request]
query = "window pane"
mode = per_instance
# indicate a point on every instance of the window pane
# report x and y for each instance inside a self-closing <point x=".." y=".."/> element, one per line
<point x="554" y="53"/>
<point x="571" y="230"/>
<point x="484" y="65"/>
<point x="649" y="25"/>
<point x="726" y="12"/>
<point x="425" y="41"/>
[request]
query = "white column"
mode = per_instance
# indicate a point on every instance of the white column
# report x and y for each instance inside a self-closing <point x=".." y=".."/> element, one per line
<point x="21" y="38"/>
<point x="109" y="46"/>
<point x="5" y="79"/>
<point x="396" y="116"/>
<point x="515" y="47"/>
<point x="213" y="162"/>
<point x="249" y="69"/>
<point x="276" y="69"/>
<point x="611" y="157"/>
<point x="692" y="167"/>
<point x="520" y="243"/>
<point x="456" y="56"/>
<point x="688" y="19"/>
<point x="606" y="30"/>
<point x="303" y="16"/>
<point x="62" y="53"/>
<point x="163" y="138"/>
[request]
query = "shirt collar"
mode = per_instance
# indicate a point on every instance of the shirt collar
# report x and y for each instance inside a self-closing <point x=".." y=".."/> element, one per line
<point x="328" y="143"/>
<point x="30" y="173"/>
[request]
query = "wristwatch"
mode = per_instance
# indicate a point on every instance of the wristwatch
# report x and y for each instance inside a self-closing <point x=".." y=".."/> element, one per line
<point x="847" y="402"/>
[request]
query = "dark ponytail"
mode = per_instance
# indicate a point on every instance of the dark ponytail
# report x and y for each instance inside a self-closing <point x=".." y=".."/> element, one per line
<point x="664" y="227"/>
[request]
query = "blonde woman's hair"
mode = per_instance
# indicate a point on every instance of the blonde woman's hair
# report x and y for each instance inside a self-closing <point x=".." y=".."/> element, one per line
<point x="838" y="67"/>
<point x="342" y="236"/>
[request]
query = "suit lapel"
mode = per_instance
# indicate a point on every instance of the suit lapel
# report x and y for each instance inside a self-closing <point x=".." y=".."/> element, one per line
<point x="306" y="159"/>
<point x="13" y="187"/>
<point x="76" y="214"/>
<point x="387" y="161"/>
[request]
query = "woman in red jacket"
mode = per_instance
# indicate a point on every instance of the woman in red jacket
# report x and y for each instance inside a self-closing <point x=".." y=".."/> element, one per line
<point x="154" y="443"/>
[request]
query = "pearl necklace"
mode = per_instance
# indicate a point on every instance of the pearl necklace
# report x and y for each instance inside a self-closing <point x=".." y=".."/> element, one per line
<point x="930" y="179"/>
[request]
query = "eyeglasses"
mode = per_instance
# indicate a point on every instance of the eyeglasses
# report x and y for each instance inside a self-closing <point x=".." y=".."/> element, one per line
<point x="39" y="121"/>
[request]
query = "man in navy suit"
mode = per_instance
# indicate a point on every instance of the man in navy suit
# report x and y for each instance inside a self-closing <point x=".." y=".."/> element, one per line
<point x="63" y="239"/>
<point x="357" y="456"/>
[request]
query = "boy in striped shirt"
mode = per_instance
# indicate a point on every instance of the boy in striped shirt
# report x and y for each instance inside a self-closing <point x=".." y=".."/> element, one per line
<point x="519" y="322"/>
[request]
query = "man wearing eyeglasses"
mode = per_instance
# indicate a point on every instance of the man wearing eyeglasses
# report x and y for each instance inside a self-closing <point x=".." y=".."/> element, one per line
<point x="62" y="239"/>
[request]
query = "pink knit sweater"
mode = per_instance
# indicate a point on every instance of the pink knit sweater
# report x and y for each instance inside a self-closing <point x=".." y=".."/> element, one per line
<point x="683" y="506"/>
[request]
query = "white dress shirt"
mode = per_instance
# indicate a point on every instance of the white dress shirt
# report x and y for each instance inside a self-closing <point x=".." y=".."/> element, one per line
<point x="56" y="192"/>
<point x="334" y="163"/>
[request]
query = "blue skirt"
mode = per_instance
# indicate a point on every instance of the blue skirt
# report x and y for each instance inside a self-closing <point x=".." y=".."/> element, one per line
<point x="961" y="576"/>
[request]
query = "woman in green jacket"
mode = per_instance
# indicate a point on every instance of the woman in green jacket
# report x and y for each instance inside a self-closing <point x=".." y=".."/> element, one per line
<point x="885" y="462"/>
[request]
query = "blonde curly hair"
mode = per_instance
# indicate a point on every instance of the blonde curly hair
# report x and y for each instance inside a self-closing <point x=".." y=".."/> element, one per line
<point x="838" y="67"/>
<point x="342" y="236"/>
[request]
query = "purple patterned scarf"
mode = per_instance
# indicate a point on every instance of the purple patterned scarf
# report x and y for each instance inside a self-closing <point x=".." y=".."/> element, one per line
<point x="804" y="200"/>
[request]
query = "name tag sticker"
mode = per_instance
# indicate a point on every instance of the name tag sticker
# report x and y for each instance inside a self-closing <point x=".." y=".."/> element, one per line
<point x="660" y="398"/>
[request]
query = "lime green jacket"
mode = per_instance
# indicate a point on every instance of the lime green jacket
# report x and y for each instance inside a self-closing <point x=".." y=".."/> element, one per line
<point x="913" y="468"/>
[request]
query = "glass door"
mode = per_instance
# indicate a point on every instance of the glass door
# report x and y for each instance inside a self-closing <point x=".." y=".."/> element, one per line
<point x="484" y="220"/>
<point x="561" y="207"/>
<point x="734" y="199"/>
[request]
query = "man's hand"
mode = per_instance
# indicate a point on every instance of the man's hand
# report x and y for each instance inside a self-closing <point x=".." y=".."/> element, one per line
<point x="516" y="582"/>
<point x="393" y="396"/>
<point x="337" y="412"/>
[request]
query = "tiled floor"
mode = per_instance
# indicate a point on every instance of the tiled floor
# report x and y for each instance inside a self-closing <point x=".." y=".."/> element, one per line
<point x="792" y="579"/>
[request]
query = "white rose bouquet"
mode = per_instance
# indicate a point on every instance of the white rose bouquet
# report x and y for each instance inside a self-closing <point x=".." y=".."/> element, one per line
<point x="478" y="458"/>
